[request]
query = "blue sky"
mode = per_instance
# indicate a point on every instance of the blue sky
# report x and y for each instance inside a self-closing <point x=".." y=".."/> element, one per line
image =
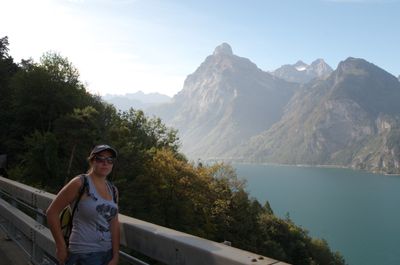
<point x="122" y="46"/>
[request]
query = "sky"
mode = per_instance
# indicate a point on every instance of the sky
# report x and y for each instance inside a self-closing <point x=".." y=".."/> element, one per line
<point x="125" y="46"/>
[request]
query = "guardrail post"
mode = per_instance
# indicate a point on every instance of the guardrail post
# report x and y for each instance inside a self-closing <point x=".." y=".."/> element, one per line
<point x="40" y="216"/>
<point x="37" y="255"/>
<point x="12" y="230"/>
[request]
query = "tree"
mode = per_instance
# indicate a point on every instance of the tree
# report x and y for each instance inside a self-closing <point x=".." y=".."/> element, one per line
<point x="4" y="47"/>
<point x="137" y="137"/>
<point x="169" y="189"/>
<point x="7" y="70"/>
<point x="40" y="162"/>
<point x="41" y="95"/>
<point x="79" y="131"/>
<point x="60" y="69"/>
<point x="48" y="98"/>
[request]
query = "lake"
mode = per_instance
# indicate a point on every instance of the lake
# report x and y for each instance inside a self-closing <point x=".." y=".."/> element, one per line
<point x="358" y="213"/>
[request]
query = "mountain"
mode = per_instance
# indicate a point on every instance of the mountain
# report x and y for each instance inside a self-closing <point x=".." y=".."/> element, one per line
<point x="150" y="98"/>
<point x="138" y="100"/>
<point x="351" y="118"/>
<point x="224" y="102"/>
<point x="301" y="72"/>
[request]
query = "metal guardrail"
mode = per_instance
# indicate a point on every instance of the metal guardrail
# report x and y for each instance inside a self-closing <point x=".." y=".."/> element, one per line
<point x="159" y="243"/>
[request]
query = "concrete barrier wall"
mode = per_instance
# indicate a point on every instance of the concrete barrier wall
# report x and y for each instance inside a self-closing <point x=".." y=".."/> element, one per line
<point x="157" y="242"/>
<point x="31" y="229"/>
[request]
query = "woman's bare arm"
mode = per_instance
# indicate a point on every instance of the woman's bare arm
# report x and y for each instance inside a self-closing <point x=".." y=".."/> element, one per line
<point x="65" y="197"/>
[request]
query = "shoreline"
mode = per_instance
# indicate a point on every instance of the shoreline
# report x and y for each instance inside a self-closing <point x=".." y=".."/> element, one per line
<point x="302" y="165"/>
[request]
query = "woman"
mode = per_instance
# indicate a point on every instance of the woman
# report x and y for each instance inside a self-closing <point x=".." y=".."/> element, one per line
<point x="95" y="233"/>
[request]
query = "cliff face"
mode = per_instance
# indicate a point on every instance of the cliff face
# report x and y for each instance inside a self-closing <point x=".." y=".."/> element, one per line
<point x="382" y="152"/>
<point x="349" y="119"/>
<point x="224" y="102"/>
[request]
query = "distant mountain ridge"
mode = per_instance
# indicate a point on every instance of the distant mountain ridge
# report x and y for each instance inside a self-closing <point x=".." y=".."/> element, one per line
<point x="229" y="109"/>
<point x="301" y="72"/>
<point x="137" y="100"/>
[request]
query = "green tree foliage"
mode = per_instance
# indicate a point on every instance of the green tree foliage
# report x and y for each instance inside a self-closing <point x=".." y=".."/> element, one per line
<point x="7" y="70"/>
<point x="320" y="250"/>
<point x="49" y="98"/>
<point x="137" y="138"/>
<point x="40" y="162"/>
<point x="53" y="122"/>
<point x="60" y="69"/>
<point x="79" y="130"/>
<point x="44" y="92"/>
<point x="174" y="193"/>
<point x="7" y="66"/>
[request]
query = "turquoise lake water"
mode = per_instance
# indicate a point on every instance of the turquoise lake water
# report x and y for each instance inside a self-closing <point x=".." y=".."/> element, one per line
<point x="358" y="213"/>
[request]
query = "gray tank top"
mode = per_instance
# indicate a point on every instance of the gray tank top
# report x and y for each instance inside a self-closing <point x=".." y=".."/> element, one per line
<point x="91" y="223"/>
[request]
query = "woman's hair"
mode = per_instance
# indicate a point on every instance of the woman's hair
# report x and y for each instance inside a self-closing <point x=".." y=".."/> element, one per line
<point x="90" y="162"/>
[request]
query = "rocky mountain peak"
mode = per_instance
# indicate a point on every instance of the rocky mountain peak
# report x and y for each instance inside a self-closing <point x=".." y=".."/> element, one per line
<point x="362" y="68"/>
<point x="300" y="63"/>
<point x="319" y="62"/>
<point x="321" y="68"/>
<point x="224" y="48"/>
<point x="351" y="63"/>
<point x="222" y="66"/>
<point x="301" y="72"/>
<point x="223" y="101"/>
<point x="371" y="87"/>
<point x="358" y="66"/>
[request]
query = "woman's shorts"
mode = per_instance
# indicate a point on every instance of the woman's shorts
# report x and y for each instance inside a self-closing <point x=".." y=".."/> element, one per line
<point x="93" y="258"/>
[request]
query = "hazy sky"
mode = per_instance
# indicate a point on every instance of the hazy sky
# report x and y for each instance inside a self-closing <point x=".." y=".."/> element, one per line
<point x="122" y="46"/>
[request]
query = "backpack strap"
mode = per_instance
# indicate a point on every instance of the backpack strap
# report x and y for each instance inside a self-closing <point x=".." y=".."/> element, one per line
<point x="81" y="191"/>
<point x="114" y="191"/>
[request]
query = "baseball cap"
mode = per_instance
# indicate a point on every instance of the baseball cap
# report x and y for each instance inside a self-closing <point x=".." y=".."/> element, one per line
<point x="103" y="147"/>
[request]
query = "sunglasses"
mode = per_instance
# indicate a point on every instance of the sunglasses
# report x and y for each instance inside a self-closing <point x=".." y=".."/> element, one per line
<point x="101" y="159"/>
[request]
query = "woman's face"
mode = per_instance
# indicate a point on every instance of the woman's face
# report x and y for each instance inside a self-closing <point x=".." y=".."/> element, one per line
<point x="102" y="163"/>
